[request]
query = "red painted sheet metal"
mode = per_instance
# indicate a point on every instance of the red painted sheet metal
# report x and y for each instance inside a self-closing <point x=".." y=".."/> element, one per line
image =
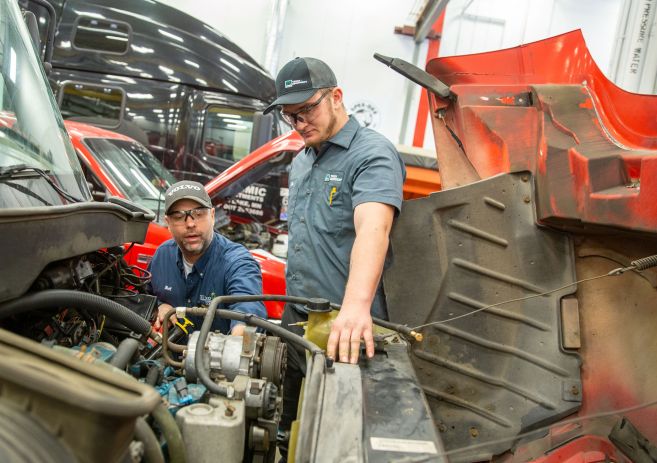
<point x="564" y="59"/>
<point x="518" y="109"/>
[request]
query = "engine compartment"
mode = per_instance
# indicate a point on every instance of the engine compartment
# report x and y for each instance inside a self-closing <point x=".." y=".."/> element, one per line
<point x="82" y="362"/>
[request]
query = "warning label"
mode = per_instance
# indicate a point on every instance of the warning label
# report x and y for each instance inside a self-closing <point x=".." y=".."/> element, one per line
<point x="403" y="445"/>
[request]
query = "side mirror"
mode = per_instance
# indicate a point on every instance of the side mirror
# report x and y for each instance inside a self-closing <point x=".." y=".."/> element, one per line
<point x="33" y="28"/>
<point x="263" y="126"/>
<point x="32" y="24"/>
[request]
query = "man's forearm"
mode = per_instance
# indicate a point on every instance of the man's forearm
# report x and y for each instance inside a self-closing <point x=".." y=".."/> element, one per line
<point x="365" y="268"/>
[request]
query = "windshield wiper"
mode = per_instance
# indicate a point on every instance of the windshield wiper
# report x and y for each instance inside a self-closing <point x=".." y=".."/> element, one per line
<point x="24" y="171"/>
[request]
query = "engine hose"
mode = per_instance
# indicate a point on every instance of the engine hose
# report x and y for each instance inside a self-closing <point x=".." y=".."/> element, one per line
<point x="165" y="341"/>
<point x="645" y="262"/>
<point x="145" y="435"/>
<point x="156" y="352"/>
<point x="56" y="298"/>
<point x="153" y="375"/>
<point x="171" y="432"/>
<point x="124" y="353"/>
<point x="402" y="329"/>
<point x="249" y="319"/>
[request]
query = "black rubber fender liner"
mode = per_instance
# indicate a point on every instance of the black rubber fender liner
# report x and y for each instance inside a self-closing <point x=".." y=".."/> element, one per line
<point x="55" y="298"/>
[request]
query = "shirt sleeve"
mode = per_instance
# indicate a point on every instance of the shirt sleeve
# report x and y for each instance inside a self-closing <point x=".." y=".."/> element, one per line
<point x="379" y="177"/>
<point x="243" y="277"/>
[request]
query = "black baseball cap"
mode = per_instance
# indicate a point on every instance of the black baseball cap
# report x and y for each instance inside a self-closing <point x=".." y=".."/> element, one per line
<point x="299" y="79"/>
<point x="186" y="189"/>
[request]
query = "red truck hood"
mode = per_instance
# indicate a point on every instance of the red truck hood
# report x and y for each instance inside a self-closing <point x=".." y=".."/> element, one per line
<point x="254" y="166"/>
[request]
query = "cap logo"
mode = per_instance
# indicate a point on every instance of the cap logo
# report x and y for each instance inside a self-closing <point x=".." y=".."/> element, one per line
<point x="292" y="83"/>
<point x="184" y="187"/>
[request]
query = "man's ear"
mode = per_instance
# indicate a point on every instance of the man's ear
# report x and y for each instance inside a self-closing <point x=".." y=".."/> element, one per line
<point x="336" y="97"/>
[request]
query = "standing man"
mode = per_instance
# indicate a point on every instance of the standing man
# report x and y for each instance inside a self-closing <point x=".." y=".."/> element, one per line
<point x="345" y="190"/>
<point x="198" y="264"/>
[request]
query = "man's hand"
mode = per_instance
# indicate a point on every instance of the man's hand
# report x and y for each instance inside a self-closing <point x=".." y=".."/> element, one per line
<point x="350" y="326"/>
<point x="161" y="312"/>
<point x="238" y="330"/>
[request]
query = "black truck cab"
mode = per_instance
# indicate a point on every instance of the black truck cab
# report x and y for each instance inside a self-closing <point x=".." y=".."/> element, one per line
<point x="168" y="80"/>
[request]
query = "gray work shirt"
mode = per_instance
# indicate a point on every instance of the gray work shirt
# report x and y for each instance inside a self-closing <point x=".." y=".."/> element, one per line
<point x="356" y="166"/>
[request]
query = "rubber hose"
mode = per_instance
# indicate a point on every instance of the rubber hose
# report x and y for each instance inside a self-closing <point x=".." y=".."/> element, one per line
<point x="124" y="353"/>
<point x="201" y="372"/>
<point x="55" y="298"/>
<point x="145" y="435"/>
<point x="153" y="375"/>
<point x="171" y="432"/>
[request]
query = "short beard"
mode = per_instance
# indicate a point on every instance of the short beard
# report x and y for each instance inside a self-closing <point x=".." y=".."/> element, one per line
<point x="205" y="244"/>
<point x="329" y="129"/>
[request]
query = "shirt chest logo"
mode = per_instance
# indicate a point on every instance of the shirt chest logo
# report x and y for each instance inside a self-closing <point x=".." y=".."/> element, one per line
<point x="333" y="177"/>
<point x="207" y="299"/>
<point x="168" y="288"/>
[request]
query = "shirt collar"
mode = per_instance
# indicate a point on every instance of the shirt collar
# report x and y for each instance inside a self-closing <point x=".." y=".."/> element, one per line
<point x="346" y="134"/>
<point x="202" y="262"/>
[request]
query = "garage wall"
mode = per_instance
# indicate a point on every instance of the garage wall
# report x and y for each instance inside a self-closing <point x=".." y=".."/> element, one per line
<point x="345" y="33"/>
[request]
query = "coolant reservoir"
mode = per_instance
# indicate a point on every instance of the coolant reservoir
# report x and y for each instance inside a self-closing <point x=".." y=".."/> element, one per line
<point x="320" y="318"/>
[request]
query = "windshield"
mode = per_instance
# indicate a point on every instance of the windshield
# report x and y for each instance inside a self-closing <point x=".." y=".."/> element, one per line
<point x="139" y="175"/>
<point x="32" y="134"/>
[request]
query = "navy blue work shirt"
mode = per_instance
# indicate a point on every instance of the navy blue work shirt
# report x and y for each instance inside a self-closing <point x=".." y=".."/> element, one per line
<point x="225" y="268"/>
<point x="357" y="165"/>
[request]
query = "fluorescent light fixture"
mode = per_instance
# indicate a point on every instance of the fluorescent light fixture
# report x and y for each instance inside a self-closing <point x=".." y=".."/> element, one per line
<point x="117" y="172"/>
<point x="229" y="85"/>
<point x="236" y="127"/>
<point x="165" y="69"/>
<point x="202" y="82"/>
<point x="121" y="78"/>
<point x="229" y="64"/>
<point x="192" y="63"/>
<point x="141" y="96"/>
<point x="138" y="49"/>
<point x="12" y="64"/>
<point x="89" y="14"/>
<point x="171" y="36"/>
<point x="230" y="116"/>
